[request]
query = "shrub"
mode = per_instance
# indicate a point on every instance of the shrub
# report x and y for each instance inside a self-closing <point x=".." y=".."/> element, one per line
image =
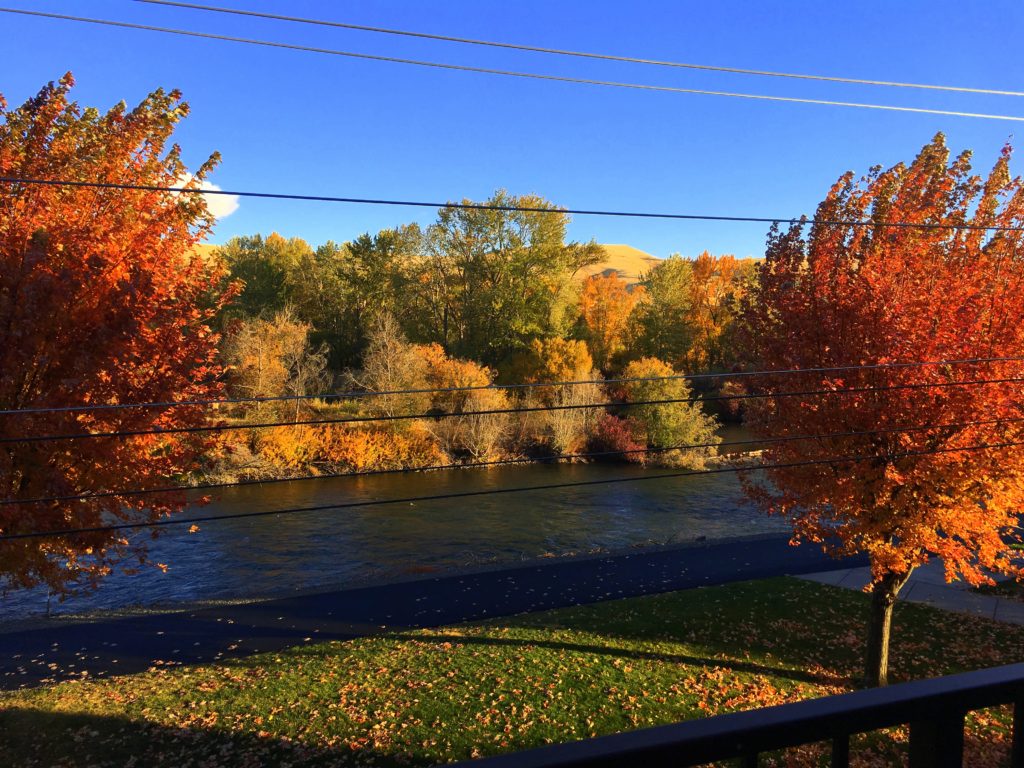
<point x="669" y="424"/>
<point x="612" y="433"/>
<point x="369" y="448"/>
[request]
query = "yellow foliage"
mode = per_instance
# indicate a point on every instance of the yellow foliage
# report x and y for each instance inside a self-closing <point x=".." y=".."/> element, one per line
<point x="345" y="448"/>
<point x="605" y="306"/>
<point x="560" y="360"/>
<point x="368" y="448"/>
<point x="291" y="448"/>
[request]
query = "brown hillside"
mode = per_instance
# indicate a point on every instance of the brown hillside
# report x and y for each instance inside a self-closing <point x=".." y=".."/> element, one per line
<point x="627" y="262"/>
<point x="205" y="251"/>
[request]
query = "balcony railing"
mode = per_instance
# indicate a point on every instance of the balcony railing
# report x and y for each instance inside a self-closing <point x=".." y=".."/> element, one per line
<point x="934" y="709"/>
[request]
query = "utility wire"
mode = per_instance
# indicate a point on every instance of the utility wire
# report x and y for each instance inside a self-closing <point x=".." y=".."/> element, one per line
<point x="580" y="54"/>
<point x="506" y="73"/>
<point x="530" y="385"/>
<point x="504" y="462"/>
<point x="496" y="411"/>
<point x="493" y="492"/>
<point x="511" y="208"/>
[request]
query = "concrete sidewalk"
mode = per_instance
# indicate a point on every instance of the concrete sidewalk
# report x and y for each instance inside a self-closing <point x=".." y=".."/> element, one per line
<point x="928" y="585"/>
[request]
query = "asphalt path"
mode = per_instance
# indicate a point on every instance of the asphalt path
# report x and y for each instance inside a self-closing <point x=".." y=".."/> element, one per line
<point x="62" y="650"/>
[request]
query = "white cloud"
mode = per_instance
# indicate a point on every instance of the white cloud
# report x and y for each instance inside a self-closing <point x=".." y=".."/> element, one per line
<point x="219" y="205"/>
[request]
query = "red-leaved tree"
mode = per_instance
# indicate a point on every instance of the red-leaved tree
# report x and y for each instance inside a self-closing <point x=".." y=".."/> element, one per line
<point x="833" y="294"/>
<point x="102" y="301"/>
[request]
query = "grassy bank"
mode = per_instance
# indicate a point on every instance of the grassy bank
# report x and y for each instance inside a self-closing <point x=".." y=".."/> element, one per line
<point x="417" y="698"/>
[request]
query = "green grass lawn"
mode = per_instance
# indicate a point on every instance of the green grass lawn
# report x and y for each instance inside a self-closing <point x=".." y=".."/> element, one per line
<point x="422" y="697"/>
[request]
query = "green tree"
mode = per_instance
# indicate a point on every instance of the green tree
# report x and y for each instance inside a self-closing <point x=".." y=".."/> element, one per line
<point x="493" y="279"/>
<point x="663" y="323"/>
<point x="671" y="424"/>
<point x="377" y="272"/>
<point x="264" y="266"/>
<point x="320" y="296"/>
<point x="342" y="290"/>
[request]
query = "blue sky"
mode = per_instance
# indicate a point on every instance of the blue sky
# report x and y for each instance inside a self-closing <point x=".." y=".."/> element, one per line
<point x="306" y="123"/>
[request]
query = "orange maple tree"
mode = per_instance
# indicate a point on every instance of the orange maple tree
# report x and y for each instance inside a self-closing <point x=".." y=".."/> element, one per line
<point x="102" y="301"/>
<point x="831" y="294"/>
<point x="713" y="291"/>
<point x="606" y="303"/>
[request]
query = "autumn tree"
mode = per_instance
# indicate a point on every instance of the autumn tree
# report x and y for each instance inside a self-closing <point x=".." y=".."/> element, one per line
<point x="462" y="392"/>
<point x="606" y="303"/>
<point x="667" y="413"/>
<point x="920" y="482"/>
<point x="392" y="364"/>
<point x="274" y="357"/>
<point x="102" y="302"/>
<point x="715" y="287"/>
<point x="570" y="419"/>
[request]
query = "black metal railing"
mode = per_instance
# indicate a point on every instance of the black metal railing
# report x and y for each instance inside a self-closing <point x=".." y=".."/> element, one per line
<point x="935" y="710"/>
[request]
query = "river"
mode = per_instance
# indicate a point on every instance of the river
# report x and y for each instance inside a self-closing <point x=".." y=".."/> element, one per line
<point x="278" y="554"/>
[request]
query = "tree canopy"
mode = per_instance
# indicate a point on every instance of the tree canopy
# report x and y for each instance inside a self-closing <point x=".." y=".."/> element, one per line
<point x="833" y="295"/>
<point x="494" y="278"/>
<point x="102" y="301"/>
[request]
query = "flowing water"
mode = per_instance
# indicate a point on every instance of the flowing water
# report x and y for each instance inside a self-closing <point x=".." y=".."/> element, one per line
<point x="319" y="550"/>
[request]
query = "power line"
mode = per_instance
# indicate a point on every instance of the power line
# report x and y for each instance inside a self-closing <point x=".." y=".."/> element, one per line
<point x="503" y="462"/>
<point x="493" y="492"/>
<point x="580" y="54"/>
<point x="510" y="208"/>
<point x="343" y="420"/>
<point x="495" y="411"/>
<point x="353" y="394"/>
<point x="507" y="73"/>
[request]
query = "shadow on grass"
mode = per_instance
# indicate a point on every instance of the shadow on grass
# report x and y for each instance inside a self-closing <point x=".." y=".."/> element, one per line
<point x="623" y="653"/>
<point x="30" y="738"/>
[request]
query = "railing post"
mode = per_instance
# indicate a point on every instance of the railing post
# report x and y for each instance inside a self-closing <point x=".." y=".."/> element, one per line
<point x="937" y="742"/>
<point x="841" y="751"/>
<point x="1017" y="754"/>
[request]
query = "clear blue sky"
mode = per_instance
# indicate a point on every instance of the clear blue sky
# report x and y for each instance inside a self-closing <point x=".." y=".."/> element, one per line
<point x="307" y="123"/>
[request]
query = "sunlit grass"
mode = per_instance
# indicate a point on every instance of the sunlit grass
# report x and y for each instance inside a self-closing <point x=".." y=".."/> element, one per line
<point x="422" y="697"/>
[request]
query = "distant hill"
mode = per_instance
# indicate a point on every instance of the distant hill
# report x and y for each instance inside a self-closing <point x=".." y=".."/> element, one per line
<point x="205" y="250"/>
<point x="625" y="261"/>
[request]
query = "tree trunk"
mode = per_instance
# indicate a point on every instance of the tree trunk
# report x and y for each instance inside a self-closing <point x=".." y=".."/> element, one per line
<point x="883" y="597"/>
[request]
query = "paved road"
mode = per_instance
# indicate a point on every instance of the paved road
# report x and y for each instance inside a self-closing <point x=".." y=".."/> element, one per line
<point x="61" y="651"/>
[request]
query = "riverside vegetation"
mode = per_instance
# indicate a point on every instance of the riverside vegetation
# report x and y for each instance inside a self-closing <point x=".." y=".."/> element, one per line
<point x="479" y="299"/>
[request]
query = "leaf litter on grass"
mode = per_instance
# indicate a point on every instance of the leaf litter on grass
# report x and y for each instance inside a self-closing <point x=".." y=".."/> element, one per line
<point x="420" y="697"/>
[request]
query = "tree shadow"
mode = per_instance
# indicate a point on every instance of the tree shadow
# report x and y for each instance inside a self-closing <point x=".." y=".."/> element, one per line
<point x="614" y="651"/>
<point x="31" y="738"/>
